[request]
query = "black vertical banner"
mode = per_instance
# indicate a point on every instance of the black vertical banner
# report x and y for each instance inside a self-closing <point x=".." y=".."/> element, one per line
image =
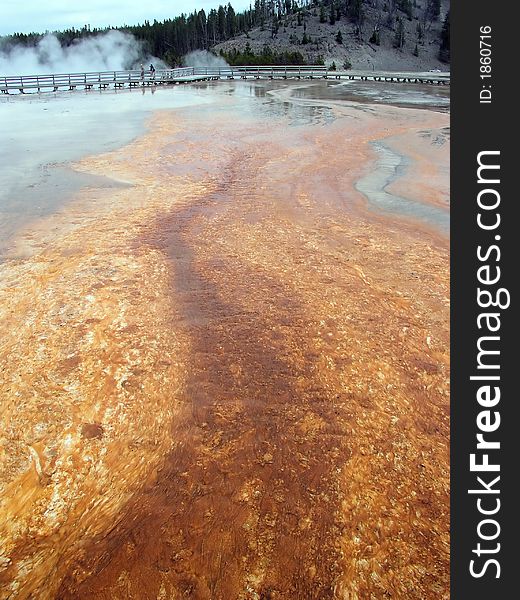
<point x="484" y="320"/>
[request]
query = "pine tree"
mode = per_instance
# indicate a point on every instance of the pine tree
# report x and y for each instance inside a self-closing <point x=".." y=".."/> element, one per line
<point x="222" y="24"/>
<point x="332" y="16"/>
<point x="444" y="51"/>
<point x="420" y="33"/>
<point x="323" y="15"/>
<point x="408" y="9"/>
<point x="355" y="10"/>
<point x="274" y="27"/>
<point x="202" y="28"/>
<point x="399" y="35"/>
<point x="433" y="10"/>
<point x="375" y="38"/>
<point x="231" y="21"/>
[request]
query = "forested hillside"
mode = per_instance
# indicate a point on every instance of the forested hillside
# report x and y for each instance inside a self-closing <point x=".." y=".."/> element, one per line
<point x="358" y="33"/>
<point x="374" y="34"/>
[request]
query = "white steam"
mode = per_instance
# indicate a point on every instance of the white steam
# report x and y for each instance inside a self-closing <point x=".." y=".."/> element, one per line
<point x="202" y="58"/>
<point x="111" y="51"/>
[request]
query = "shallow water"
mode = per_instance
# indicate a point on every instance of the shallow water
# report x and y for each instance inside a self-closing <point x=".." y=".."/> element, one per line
<point x="397" y="94"/>
<point x="390" y="166"/>
<point x="258" y="101"/>
<point x="44" y="132"/>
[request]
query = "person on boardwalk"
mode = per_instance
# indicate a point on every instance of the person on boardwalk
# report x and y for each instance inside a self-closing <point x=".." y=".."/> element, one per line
<point x="142" y="71"/>
<point x="152" y="71"/>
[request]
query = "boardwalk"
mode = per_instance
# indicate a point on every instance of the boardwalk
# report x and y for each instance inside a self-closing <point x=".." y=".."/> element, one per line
<point x="120" y="79"/>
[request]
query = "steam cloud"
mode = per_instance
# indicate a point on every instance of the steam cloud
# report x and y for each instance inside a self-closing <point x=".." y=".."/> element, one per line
<point x="202" y="58"/>
<point x="111" y="51"/>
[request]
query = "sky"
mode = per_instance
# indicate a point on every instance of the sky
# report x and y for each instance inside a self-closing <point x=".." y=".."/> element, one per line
<point x="52" y="15"/>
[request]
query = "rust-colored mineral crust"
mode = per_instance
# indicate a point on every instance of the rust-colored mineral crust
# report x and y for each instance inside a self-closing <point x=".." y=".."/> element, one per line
<point x="229" y="379"/>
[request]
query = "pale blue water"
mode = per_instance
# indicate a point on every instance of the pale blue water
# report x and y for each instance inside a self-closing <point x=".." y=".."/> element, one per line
<point x="411" y="95"/>
<point x="40" y="134"/>
<point x="373" y="186"/>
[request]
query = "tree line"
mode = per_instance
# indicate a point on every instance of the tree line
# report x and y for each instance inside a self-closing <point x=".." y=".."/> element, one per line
<point x="173" y="38"/>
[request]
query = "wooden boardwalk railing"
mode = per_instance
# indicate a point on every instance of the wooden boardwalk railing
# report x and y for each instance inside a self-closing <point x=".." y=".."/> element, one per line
<point x="119" y="79"/>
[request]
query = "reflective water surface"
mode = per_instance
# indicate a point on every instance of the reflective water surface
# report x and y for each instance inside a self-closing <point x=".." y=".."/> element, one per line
<point x="43" y="132"/>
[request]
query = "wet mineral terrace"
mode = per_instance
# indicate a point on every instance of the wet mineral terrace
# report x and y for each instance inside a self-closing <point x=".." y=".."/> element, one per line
<point x="225" y="376"/>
